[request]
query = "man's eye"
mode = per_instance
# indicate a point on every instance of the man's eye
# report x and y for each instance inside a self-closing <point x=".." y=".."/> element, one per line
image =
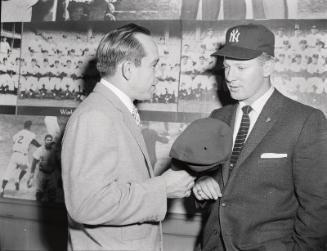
<point x="241" y="68"/>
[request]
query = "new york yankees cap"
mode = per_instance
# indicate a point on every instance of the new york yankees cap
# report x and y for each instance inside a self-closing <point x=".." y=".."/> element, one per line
<point x="203" y="145"/>
<point x="247" y="42"/>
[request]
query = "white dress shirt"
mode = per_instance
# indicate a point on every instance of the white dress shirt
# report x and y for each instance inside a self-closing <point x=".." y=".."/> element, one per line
<point x="257" y="107"/>
<point x="121" y="95"/>
<point x="124" y="99"/>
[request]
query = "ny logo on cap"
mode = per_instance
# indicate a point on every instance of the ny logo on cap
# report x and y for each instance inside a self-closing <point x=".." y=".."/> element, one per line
<point x="233" y="37"/>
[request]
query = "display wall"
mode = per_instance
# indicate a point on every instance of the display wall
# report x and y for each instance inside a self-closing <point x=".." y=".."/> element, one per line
<point x="47" y="67"/>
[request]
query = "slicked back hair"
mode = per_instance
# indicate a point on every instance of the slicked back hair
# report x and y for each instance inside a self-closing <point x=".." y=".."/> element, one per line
<point x="118" y="45"/>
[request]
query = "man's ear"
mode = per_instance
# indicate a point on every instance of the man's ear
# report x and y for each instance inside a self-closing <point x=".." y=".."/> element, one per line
<point x="268" y="68"/>
<point x="127" y="69"/>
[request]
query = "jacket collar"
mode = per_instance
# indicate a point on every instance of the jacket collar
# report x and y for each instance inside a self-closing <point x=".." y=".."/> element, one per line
<point x="129" y="121"/>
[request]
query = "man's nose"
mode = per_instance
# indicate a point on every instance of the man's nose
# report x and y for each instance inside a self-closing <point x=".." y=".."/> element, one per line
<point x="230" y="74"/>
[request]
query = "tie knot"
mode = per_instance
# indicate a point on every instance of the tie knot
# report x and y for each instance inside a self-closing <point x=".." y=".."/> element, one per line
<point x="246" y="109"/>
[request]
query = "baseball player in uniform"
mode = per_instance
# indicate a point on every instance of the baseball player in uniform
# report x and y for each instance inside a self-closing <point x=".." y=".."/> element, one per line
<point x="18" y="162"/>
<point x="46" y="179"/>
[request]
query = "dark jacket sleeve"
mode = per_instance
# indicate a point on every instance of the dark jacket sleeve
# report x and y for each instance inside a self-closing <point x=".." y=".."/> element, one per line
<point x="217" y="175"/>
<point x="310" y="179"/>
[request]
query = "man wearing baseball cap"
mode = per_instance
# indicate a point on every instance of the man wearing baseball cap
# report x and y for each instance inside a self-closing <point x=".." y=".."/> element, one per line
<point x="273" y="188"/>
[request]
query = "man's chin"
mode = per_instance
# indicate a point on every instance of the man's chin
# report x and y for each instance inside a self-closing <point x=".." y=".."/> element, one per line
<point x="236" y="96"/>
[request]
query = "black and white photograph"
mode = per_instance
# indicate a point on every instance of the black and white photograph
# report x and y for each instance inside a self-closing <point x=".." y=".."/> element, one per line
<point x="54" y="57"/>
<point x="58" y="67"/>
<point x="252" y="9"/>
<point x="112" y="10"/>
<point x="163" y="125"/>
<point x="28" y="10"/>
<point x="301" y="60"/>
<point x="30" y="157"/>
<point x="311" y="9"/>
<point x="86" y="10"/>
<point x="10" y="62"/>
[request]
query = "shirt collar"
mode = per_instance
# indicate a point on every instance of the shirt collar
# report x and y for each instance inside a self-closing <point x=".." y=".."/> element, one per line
<point x="258" y="105"/>
<point x="121" y="95"/>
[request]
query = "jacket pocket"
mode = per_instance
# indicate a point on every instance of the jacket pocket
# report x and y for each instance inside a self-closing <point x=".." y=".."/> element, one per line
<point x="272" y="163"/>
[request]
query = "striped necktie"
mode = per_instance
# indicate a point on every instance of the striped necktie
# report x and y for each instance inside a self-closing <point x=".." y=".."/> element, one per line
<point x="241" y="136"/>
<point x="136" y="116"/>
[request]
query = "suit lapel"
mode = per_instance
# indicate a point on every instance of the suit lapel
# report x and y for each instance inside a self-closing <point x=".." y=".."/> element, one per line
<point x="228" y="116"/>
<point x="231" y="123"/>
<point x="128" y="121"/>
<point x="136" y="132"/>
<point x="267" y="118"/>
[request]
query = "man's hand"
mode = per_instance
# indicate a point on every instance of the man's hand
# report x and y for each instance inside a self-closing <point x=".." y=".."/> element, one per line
<point x="206" y="188"/>
<point x="178" y="183"/>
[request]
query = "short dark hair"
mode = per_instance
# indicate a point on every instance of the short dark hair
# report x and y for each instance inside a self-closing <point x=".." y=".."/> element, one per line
<point x="27" y="124"/>
<point x="118" y="45"/>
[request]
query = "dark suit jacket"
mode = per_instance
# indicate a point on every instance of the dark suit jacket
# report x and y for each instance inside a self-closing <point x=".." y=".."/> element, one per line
<point x="276" y="196"/>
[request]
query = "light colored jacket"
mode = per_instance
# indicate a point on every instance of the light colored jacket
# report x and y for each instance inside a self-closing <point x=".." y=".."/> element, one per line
<point x="113" y="200"/>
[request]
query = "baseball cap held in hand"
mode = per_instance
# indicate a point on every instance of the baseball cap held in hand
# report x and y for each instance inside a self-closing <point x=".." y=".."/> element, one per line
<point x="204" y="144"/>
<point x="246" y="42"/>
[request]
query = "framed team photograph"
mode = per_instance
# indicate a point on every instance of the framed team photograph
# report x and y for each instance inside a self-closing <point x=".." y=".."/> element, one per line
<point x="252" y="9"/>
<point x="301" y="60"/>
<point x="10" y="62"/>
<point x="113" y="10"/>
<point x="58" y="66"/>
<point x="54" y="63"/>
<point x="28" y="10"/>
<point x="30" y="157"/>
<point x="311" y="9"/>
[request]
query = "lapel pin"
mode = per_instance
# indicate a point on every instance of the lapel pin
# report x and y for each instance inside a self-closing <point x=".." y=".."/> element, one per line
<point x="268" y="119"/>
